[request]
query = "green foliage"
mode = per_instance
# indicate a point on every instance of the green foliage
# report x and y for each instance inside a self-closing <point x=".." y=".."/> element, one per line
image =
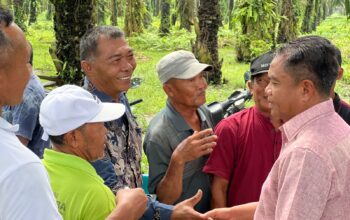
<point x="179" y="39"/>
<point x="41" y="35"/>
<point x="336" y="28"/>
<point x="254" y="21"/>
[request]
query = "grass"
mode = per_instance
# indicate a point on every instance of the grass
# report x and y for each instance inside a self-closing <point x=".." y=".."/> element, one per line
<point x="149" y="48"/>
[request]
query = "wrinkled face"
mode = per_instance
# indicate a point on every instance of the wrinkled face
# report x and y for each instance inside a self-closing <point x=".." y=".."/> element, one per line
<point x="187" y="92"/>
<point x="94" y="140"/>
<point x="282" y="91"/>
<point x="113" y="65"/>
<point x="257" y="87"/>
<point x="14" y="73"/>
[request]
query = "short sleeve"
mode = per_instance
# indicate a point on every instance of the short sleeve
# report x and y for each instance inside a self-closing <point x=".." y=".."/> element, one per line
<point x="99" y="203"/>
<point x="221" y="161"/>
<point x="26" y="194"/>
<point x="26" y="116"/>
<point x="158" y="160"/>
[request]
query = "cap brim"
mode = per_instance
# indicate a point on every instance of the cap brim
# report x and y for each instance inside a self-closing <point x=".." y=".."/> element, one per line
<point x="259" y="72"/>
<point x="109" y="112"/>
<point x="193" y="70"/>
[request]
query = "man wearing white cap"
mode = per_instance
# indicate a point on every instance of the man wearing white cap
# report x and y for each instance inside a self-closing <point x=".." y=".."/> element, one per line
<point x="179" y="137"/>
<point x="74" y="120"/>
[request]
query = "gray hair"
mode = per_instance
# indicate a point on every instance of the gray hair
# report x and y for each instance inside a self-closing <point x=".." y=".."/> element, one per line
<point x="88" y="43"/>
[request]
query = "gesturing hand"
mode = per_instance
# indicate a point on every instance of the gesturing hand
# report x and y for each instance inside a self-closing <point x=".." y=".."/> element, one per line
<point x="184" y="210"/>
<point x="198" y="144"/>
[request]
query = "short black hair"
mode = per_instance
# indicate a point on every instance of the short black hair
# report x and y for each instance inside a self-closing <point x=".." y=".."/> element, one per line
<point x="57" y="140"/>
<point x="319" y="39"/>
<point x="88" y="43"/>
<point x="312" y="58"/>
<point x="6" y="19"/>
<point x="31" y="54"/>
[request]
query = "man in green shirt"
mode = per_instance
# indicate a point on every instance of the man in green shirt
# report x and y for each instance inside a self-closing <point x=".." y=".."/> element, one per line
<point x="74" y="120"/>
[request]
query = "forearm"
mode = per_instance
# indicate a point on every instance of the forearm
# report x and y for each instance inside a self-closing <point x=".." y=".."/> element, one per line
<point x="219" y="198"/>
<point x="245" y="211"/>
<point x="219" y="188"/>
<point x="121" y="212"/>
<point x="169" y="188"/>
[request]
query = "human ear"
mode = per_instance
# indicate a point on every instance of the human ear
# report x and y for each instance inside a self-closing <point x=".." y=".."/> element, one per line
<point x="86" y="67"/>
<point x="168" y="89"/>
<point x="250" y="86"/>
<point x="307" y="90"/>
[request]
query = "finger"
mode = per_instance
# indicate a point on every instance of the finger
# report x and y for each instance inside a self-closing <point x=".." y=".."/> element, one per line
<point x="195" y="199"/>
<point x="203" y="133"/>
<point x="207" y="146"/>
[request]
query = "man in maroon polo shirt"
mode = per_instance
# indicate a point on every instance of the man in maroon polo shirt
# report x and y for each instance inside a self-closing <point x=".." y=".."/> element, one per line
<point x="247" y="146"/>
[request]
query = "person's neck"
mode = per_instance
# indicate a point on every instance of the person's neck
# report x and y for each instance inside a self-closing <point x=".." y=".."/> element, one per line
<point x="101" y="88"/>
<point x="67" y="150"/>
<point x="189" y="114"/>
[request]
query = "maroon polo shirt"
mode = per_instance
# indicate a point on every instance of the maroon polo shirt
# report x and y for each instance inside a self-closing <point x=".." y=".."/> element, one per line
<point x="247" y="147"/>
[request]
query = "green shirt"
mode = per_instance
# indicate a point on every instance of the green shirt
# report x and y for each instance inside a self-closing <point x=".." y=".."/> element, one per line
<point x="79" y="191"/>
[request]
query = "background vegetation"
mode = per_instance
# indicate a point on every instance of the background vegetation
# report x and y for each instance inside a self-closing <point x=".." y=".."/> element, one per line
<point x="245" y="29"/>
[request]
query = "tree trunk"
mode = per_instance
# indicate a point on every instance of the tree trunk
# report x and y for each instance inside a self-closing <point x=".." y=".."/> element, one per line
<point x="306" y="27"/>
<point x="71" y="20"/>
<point x="157" y="7"/>
<point x="186" y="10"/>
<point x="206" y="46"/>
<point x="287" y="30"/>
<point x="324" y="8"/>
<point x="114" y="17"/>
<point x="32" y="17"/>
<point x="19" y="14"/>
<point x="133" y="17"/>
<point x="315" y="15"/>
<point x="100" y="9"/>
<point x="164" y="28"/>
<point x="230" y="10"/>
<point x="121" y="8"/>
<point x="49" y="11"/>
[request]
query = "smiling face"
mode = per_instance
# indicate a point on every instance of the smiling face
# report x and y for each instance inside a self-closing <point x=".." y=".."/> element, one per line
<point x="112" y="66"/>
<point x="257" y="87"/>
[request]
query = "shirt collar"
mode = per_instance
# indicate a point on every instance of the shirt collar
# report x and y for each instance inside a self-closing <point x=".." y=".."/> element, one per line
<point x="178" y="121"/>
<point x="68" y="160"/>
<point x="7" y="126"/>
<point x="292" y="127"/>
<point x="101" y="95"/>
<point x="336" y="101"/>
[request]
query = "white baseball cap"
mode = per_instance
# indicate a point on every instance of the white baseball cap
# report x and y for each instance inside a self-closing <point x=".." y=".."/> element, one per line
<point x="69" y="107"/>
<point x="180" y="64"/>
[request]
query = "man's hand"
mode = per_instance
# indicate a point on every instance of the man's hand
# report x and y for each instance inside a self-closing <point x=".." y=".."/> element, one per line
<point x="240" y="212"/>
<point x="220" y="214"/>
<point x="131" y="204"/>
<point x="199" y="144"/>
<point x="184" y="210"/>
